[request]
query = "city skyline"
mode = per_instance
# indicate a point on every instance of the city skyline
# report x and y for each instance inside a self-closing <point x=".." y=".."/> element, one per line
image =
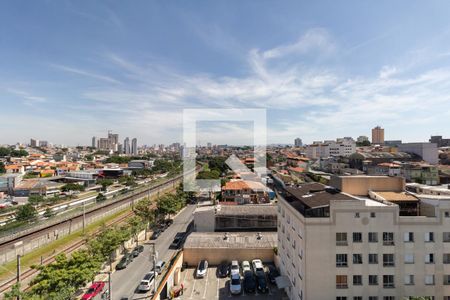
<point x="133" y="69"/>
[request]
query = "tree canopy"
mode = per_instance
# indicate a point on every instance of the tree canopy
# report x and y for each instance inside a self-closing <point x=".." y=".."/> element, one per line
<point x="26" y="212"/>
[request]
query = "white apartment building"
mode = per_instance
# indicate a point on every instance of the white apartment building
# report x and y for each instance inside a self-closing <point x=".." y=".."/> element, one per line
<point x="340" y="147"/>
<point x="332" y="245"/>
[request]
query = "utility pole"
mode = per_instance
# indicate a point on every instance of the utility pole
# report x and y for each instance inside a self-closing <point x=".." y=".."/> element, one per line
<point x="109" y="286"/>
<point x="18" y="272"/>
<point x="154" y="256"/>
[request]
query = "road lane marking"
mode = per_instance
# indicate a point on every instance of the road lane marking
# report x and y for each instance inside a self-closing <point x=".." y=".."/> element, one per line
<point x="206" y="284"/>
<point x="218" y="287"/>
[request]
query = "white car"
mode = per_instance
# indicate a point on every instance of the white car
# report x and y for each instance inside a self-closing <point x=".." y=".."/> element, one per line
<point x="258" y="266"/>
<point x="202" y="268"/>
<point x="147" y="282"/>
<point x="246" y="266"/>
<point x="234" y="269"/>
<point x="235" y="284"/>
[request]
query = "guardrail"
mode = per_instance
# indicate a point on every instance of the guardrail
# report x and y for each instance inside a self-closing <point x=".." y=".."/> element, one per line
<point x="15" y="233"/>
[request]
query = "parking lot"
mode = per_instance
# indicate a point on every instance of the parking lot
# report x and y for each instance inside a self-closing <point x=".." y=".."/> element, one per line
<point x="213" y="287"/>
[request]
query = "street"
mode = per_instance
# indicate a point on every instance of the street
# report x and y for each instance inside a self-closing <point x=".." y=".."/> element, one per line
<point x="125" y="282"/>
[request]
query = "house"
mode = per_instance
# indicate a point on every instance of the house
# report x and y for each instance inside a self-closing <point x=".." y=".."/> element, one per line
<point x="245" y="192"/>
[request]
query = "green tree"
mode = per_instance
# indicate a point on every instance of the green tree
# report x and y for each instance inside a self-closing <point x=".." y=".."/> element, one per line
<point x="105" y="183"/>
<point x="145" y="211"/>
<point x="72" y="187"/>
<point x="2" y="168"/>
<point x="36" y="200"/>
<point x="168" y="205"/>
<point x="26" y="213"/>
<point x="48" y="213"/>
<point x="118" y="159"/>
<point x="19" y="153"/>
<point x="136" y="225"/>
<point x="14" y="293"/>
<point x="100" y="197"/>
<point x="4" y="151"/>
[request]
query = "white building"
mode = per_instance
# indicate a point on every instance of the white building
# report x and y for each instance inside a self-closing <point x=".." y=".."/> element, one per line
<point x="340" y="147"/>
<point x="333" y="245"/>
<point x="428" y="151"/>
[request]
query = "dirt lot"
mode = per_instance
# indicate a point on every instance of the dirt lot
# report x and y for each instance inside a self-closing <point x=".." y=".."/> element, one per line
<point x="212" y="287"/>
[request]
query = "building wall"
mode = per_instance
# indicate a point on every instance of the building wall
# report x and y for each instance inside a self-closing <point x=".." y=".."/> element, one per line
<point x="360" y="185"/>
<point x="215" y="256"/>
<point x="428" y="151"/>
<point x="204" y="220"/>
<point x="315" y="274"/>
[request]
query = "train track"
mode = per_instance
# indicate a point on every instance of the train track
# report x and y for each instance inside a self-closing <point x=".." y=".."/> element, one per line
<point x="68" y="250"/>
<point x="90" y="212"/>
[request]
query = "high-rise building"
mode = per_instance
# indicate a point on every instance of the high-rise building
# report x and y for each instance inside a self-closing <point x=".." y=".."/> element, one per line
<point x="134" y="146"/>
<point x="43" y="144"/>
<point x="94" y="142"/>
<point x="126" y="146"/>
<point x="298" y="142"/>
<point x="209" y="145"/>
<point x="362" y="139"/>
<point x="34" y="143"/>
<point x="378" y="135"/>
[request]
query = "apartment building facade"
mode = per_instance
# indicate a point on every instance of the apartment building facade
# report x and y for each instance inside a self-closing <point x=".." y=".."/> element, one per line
<point x="341" y="147"/>
<point x="336" y="246"/>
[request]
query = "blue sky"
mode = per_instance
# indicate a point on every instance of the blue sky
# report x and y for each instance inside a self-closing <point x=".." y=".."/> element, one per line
<point x="70" y="70"/>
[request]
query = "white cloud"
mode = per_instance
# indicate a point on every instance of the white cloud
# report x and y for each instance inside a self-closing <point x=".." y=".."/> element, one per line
<point x="86" y="73"/>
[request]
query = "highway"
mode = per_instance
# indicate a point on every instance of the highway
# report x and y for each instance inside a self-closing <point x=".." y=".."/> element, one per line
<point x="124" y="283"/>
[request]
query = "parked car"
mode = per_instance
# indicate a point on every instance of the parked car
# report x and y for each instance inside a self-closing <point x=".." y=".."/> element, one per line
<point x="135" y="252"/>
<point x="155" y="234"/>
<point x="147" y="282"/>
<point x="140" y="248"/>
<point x="124" y="262"/>
<point x="246" y="266"/>
<point x="249" y="282"/>
<point x="261" y="282"/>
<point x="202" y="268"/>
<point x="234" y="269"/>
<point x="223" y="270"/>
<point x="159" y="267"/>
<point x="272" y="273"/>
<point x="235" y="284"/>
<point x="178" y="240"/>
<point x="258" y="267"/>
<point x="95" y="289"/>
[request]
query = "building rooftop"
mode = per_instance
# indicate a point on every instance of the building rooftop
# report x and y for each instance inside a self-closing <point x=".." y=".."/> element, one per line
<point x="397" y="196"/>
<point x="313" y="195"/>
<point x="249" y="209"/>
<point x="239" y="240"/>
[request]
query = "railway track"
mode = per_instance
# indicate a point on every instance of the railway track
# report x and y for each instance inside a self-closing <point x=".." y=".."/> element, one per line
<point x="68" y="250"/>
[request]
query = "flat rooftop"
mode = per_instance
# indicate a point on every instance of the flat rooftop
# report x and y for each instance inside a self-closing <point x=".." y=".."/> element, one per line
<point x="314" y="195"/>
<point x="245" y="210"/>
<point x="397" y="196"/>
<point x="234" y="240"/>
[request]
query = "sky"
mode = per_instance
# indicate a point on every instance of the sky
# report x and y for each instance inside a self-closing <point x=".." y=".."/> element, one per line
<point x="70" y="70"/>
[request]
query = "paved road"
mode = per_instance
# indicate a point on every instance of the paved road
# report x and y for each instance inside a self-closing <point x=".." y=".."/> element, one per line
<point x="124" y="283"/>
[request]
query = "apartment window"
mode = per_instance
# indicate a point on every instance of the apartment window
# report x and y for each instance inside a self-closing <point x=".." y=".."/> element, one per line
<point x="373" y="258"/>
<point x="357" y="298"/>
<point x="341" y="238"/>
<point x="446" y="258"/>
<point x="388" y="281"/>
<point x="446" y="279"/>
<point x="282" y="229"/>
<point x="341" y="298"/>
<point x="446" y="297"/>
<point x="388" y="238"/>
<point x="409" y="258"/>
<point x="357" y="237"/>
<point x="341" y="260"/>
<point x="389" y="298"/>
<point x="373" y="280"/>
<point x="341" y="282"/>
<point x="408" y="237"/>
<point x="373" y="237"/>
<point x="447" y="214"/>
<point x="357" y="259"/>
<point x="357" y="215"/>
<point x="429" y="279"/>
<point x="409" y="279"/>
<point x="429" y="258"/>
<point x="388" y="260"/>
<point x="288" y="218"/>
<point x="429" y="237"/>
<point x="446" y="237"/>
<point x="357" y="279"/>
<point x="373" y="297"/>
<point x="372" y="215"/>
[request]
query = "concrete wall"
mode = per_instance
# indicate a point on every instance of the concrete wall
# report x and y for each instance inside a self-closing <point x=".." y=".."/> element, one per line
<point x="171" y="278"/>
<point x="360" y="185"/>
<point x="204" y="219"/>
<point x="215" y="256"/>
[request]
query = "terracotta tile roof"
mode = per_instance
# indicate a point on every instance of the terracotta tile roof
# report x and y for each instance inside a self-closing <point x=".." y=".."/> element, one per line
<point x="296" y="169"/>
